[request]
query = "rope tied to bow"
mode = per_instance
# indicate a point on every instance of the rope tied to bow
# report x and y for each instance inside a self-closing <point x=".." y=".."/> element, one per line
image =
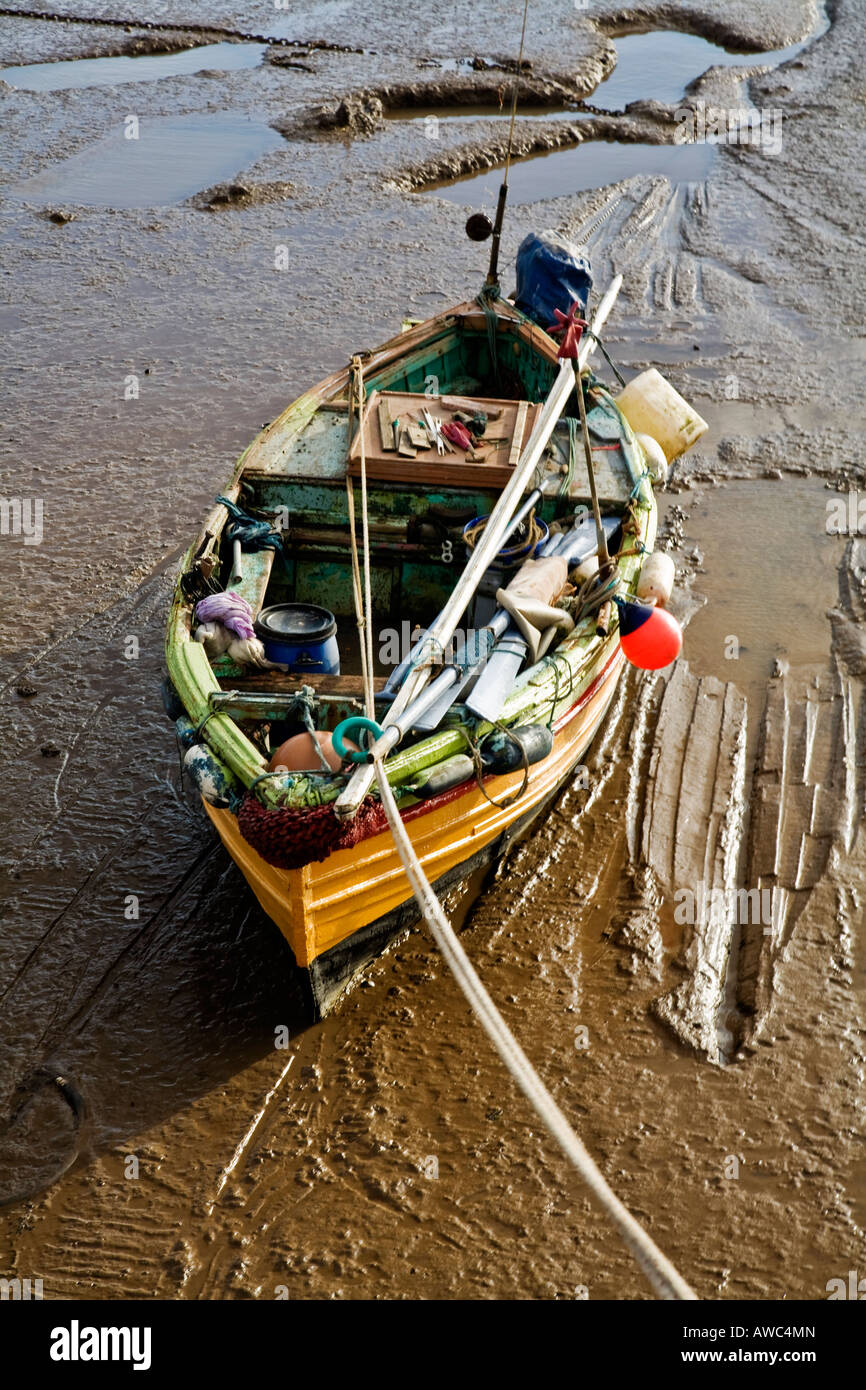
<point x="252" y="533"/>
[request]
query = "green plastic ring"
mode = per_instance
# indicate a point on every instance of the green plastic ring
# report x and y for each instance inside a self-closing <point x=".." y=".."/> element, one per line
<point x="343" y="730"/>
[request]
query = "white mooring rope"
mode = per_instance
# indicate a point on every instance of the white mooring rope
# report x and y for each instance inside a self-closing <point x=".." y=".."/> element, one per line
<point x="658" y="1269"/>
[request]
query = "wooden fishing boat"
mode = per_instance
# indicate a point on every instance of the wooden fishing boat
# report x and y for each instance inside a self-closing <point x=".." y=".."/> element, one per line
<point x="336" y="888"/>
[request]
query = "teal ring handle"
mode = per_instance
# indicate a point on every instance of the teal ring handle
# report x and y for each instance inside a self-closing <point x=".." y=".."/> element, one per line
<point x="343" y="730"/>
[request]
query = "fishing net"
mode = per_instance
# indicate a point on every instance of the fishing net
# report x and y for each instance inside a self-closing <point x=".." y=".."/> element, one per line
<point x="289" y="837"/>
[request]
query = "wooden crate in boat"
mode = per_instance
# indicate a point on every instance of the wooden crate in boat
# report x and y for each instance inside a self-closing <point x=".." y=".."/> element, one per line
<point x="494" y="457"/>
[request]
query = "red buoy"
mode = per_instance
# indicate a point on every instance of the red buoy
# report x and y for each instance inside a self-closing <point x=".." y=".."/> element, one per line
<point x="650" y="637"/>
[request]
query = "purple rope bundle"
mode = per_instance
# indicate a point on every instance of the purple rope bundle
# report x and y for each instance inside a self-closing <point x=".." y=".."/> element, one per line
<point x="230" y="609"/>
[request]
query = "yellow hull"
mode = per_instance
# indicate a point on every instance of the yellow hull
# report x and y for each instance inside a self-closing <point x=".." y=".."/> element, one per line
<point x="321" y="906"/>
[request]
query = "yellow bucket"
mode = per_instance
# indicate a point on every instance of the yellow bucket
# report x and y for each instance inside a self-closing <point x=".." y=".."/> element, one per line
<point x="652" y="406"/>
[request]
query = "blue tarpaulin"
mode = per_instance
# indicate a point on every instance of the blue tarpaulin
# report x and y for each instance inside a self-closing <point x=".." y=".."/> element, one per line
<point x="551" y="274"/>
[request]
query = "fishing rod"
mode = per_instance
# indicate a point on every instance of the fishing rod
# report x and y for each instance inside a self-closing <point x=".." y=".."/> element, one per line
<point x="479" y="226"/>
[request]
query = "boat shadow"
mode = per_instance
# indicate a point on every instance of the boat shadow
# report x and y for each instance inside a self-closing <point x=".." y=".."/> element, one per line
<point x="199" y="993"/>
<point x="137" y="971"/>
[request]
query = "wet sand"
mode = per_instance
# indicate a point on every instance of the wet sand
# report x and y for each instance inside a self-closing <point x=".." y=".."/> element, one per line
<point x="394" y="1159"/>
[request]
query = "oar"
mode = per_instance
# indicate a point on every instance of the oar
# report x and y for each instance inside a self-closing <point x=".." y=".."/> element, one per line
<point x="492" y="688"/>
<point x="428" y="709"/>
<point x="604" y="561"/>
<point x="456" y="679"/>
<point x="571" y="327"/>
<point x="348" y="803"/>
<point x="496" y="682"/>
<point x="504" y="642"/>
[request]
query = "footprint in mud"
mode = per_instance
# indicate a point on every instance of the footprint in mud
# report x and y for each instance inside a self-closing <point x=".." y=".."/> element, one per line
<point x="41" y="1138"/>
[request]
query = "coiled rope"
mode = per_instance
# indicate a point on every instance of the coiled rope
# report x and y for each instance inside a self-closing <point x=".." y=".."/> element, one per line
<point x="522" y="548"/>
<point x="661" y="1273"/>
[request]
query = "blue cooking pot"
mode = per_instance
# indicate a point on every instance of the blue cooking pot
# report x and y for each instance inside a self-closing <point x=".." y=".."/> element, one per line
<point x="301" y="636"/>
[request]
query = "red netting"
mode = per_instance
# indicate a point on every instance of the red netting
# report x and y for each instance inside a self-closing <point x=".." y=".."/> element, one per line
<point x="289" y="838"/>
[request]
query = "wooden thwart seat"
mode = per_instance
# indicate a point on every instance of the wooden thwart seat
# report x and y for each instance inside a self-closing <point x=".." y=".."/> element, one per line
<point x="283" y="683"/>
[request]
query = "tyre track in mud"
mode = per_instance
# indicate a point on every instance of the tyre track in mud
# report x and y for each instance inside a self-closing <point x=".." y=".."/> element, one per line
<point x="732" y="1111"/>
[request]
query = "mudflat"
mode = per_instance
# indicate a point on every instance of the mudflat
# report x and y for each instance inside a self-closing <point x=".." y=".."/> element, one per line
<point x="710" y="1059"/>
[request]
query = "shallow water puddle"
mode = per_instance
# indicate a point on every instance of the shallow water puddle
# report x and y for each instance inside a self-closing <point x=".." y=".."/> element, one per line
<point x="171" y="159"/>
<point x="769" y="573"/>
<point x="651" y="65"/>
<point x="108" y="72"/>
<point x="659" y="65"/>
<point x="592" y="164"/>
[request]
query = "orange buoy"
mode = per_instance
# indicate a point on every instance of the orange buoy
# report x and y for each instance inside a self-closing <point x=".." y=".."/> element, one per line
<point x="298" y="755"/>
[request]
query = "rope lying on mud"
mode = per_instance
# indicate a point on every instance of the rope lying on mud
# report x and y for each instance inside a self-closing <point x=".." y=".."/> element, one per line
<point x="664" y="1278"/>
<point x="27" y="1091"/>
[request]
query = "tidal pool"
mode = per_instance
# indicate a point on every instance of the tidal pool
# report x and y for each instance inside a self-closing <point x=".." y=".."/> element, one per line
<point x="592" y="164"/>
<point x="109" y="72"/>
<point x="166" y="161"/>
<point x="659" y="65"/>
